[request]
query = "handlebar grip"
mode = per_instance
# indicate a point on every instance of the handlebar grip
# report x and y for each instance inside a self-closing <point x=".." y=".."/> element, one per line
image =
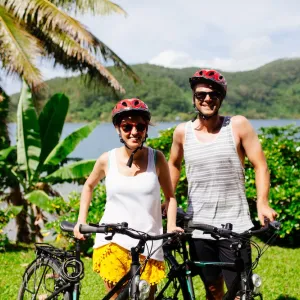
<point x="204" y="227"/>
<point x="91" y="229"/>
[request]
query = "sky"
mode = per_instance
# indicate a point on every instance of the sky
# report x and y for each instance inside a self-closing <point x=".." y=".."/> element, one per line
<point x="229" y="35"/>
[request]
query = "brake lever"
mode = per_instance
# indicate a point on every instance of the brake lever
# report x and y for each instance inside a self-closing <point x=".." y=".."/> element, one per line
<point x="275" y="225"/>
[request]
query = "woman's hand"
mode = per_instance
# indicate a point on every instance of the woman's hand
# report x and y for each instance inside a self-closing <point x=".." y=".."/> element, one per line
<point x="174" y="228"/>
<point x="77" y="234"/>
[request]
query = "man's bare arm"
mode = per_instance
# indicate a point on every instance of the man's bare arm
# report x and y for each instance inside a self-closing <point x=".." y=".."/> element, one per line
<point x="253" y="150"/>
<point x="176" y="154"/>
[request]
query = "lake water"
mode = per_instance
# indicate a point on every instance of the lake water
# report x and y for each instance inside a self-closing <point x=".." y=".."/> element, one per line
<point x="104" y="138"/>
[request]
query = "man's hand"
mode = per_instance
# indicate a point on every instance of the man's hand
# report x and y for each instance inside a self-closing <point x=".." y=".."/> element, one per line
<point x="265" y="211"/>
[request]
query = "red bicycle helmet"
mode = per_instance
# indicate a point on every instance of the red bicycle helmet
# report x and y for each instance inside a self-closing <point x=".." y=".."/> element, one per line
<point x="212" y="77"/>
<point x="127" y="105"/>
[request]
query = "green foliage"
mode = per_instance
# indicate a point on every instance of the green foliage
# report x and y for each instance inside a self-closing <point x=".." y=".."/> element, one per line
<point x="41" y="156"/>
<point x="256" y="94"/>
<point x="5" y="215"/>
<point x="69" y="210"/>
<point x="282" y="149"/>
<point x="163" y="143"/>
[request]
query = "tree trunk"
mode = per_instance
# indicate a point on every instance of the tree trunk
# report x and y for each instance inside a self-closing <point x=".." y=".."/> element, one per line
<point x="23" y="233"/>
<point x="4" y="136"/>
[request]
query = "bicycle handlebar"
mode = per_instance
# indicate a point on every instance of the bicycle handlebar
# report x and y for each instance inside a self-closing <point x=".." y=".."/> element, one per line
<point x="227" y="233"/>
<point x="122" y="228"/>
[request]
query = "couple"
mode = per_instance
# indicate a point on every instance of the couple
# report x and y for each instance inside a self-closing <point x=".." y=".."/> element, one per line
<point x="214" y="148"/>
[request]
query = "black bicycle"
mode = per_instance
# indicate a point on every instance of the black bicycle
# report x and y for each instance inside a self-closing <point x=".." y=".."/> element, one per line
<point x="179" y="283"/>
<point x="56" y="273"/>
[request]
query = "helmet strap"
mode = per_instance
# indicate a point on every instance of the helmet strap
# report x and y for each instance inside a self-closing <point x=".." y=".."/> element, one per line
<point x="130" y="160"/>
<point x="201" y="115"/>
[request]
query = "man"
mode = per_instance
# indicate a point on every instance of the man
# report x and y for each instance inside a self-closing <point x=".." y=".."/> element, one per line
<point x="214" y="148"/>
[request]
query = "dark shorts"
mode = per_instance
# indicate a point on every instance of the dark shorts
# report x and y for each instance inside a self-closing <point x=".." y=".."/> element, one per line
<point x="217" y="250"/>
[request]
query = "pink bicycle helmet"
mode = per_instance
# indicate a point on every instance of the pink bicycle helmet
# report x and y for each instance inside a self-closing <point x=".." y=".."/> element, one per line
<point x="127" y="105"/>
<point x="212" y="77"/>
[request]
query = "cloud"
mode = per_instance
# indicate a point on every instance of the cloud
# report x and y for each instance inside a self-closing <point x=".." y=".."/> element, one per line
<point x="228" y="35"/>
<point x="249" y="53"/>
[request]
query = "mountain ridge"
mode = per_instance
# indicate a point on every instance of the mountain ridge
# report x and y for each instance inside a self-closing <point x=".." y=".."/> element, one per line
<point x="268" y="92"/>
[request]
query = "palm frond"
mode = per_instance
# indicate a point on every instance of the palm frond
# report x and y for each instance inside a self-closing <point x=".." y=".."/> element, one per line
<point x="48" y="17"/>
<point x="109" y="54"/>
<point x="101" y="7"/>
<point x="71" y="55"/>
<point x="18" y="50"/>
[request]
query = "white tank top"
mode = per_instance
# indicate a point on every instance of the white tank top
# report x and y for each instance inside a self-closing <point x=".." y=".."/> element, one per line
<point x="135" y="200"/>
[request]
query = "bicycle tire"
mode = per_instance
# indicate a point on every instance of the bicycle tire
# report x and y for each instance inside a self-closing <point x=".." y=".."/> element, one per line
<point x="124" y="295"/>
<point x="41" y="279"/>
<point x="171" y="287"/>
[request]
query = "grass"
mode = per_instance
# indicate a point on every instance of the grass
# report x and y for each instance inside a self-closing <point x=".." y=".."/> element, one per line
<point x="279" y="269"/>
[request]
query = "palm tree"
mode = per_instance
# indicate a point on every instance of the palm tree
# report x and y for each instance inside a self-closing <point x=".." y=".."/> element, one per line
<point x="32" y="29"/>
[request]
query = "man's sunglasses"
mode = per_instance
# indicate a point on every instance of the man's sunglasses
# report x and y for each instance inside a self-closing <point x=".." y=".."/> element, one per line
<point x="127" y="127"/>
<point x="202" y="95"/>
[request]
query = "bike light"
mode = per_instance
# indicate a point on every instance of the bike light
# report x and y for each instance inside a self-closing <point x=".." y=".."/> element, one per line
<point x="144" y="290"/>
<point x="257" y="282"/>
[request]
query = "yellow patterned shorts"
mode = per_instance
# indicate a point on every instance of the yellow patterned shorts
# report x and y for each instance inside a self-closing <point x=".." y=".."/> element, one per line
<point x="112" y="262"/>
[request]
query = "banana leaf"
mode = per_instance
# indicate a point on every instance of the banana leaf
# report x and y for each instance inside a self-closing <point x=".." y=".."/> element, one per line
<point x="40" y="199"/>
<point x="28" y="134"/>
<point x="76" y="172"/>
<point x="65" y="147"/>
<point x="51" y="121"/>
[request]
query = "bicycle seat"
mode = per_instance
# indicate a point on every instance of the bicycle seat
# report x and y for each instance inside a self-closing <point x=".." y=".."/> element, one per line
<point x="67" y="226"/>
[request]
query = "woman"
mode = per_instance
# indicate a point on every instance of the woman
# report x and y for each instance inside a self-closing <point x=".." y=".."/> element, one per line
<point x="134" y="174"/>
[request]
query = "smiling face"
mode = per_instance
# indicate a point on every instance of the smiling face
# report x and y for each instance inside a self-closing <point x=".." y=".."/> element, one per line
<point x="133" y="130"/>
<point x="207" y="99"/>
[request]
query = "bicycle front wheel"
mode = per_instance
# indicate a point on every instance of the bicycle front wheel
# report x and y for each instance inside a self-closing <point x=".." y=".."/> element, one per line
<point x="42" y="279"/>
<point x="173" y="287"/>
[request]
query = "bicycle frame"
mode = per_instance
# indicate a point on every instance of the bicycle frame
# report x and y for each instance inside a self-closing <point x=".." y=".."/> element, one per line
<point x="133" y="272"/>
<point x="184" y="273"/>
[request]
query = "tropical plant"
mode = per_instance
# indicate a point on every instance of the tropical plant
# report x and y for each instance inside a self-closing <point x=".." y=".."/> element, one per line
<point x="33" y="29"/>
<point x="69" y="210"/>
<point x="40" y="159"/>
<point x="5" y="216"/>
<point x="281" y="146"/>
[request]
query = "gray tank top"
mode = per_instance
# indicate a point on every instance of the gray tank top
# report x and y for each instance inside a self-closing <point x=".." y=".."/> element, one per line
<point x="216" y="181"/>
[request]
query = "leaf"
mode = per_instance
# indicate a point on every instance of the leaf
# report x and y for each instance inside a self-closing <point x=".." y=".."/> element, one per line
<point x="15" y="210"/>
<point x="5" y="152"/>
<point x="28" y="134"/>
<point x="102" y="7"/>
<point x="64" y="148"/>
<point x="40" y="199"/>
<point x="67" y="51"/>
<point x="73" y="172"/>
<point x="48" y="17"/>
<point x="19" y="49"/>
<point x="51" y="122"/>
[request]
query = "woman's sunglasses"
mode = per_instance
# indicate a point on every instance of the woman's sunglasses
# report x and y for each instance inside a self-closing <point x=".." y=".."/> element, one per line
<point x="202" y="95"/>
<point x="127" y="127"/>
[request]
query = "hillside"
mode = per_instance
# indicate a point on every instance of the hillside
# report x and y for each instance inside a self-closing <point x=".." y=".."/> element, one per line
<point x="271" y="91"/>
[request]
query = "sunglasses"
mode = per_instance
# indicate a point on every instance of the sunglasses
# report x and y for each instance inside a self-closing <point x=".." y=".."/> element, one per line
<point x="127" y="127"/>
<point x="202" y="95"/>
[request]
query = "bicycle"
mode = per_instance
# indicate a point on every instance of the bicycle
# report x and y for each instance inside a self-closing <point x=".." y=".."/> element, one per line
<point x="179" y="279"/>
<point x="56" y="273"/>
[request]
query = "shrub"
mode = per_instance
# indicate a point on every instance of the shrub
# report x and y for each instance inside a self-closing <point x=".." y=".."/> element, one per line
<point x="282" y="149"/>
<point x="69" y="210"/>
